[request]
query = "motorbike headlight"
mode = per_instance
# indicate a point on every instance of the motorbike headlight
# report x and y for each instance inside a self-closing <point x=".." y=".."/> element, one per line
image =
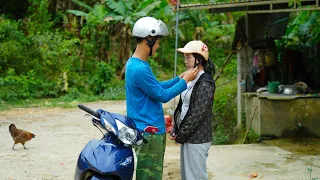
<point x="126" y="134"/>
<point x="108" y="126"/>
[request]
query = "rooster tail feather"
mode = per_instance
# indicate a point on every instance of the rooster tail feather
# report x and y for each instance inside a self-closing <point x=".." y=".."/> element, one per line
<point x="12" y="128"/>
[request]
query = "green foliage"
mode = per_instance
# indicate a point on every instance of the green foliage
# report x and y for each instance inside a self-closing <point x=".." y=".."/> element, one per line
<point x="302" y="31"/>
<point x="56" y="51"/>
<point x="252" y="137"/>
<point x="78" y="13"/>
<point x="230" y="71"/>
<point x="46" y="55"/>
<point x="26" y="86"/>
<point x="224" y="113"/>
<point x="39" y="20"/>
<point x="83" y="4"/>
<point x="291" y="3"/>
<point x="129" y="12"/>
<point x="9" y="30"/>
<point x="14" y="47"/>
<point x="102" y="78"/>
<point x="114" y="93"/>
<point x="73" y="93"/>
<point x="225" y="102"/>
<point x="310" y="170"/>
<point x="156" y="67"/>
<point x="220" y="136"/>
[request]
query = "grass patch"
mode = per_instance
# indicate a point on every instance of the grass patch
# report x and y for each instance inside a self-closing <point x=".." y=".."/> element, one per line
<point x="66" y="101"/>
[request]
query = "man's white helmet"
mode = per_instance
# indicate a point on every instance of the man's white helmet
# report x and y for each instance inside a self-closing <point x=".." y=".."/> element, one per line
<point x="149" y="26"/>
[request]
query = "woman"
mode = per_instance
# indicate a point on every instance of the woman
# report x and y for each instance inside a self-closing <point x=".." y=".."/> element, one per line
<point x="193" y="115"/>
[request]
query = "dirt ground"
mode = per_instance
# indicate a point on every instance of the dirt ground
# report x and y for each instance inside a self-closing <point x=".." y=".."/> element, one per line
<point x="62" y="133"/>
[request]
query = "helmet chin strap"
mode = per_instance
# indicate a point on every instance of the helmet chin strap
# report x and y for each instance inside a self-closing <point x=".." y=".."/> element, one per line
<point x="151" y="43"/>
<point x="196" y="64"/>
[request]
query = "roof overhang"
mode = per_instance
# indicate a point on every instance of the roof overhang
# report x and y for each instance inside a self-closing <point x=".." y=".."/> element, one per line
<point x="258" y="29"/>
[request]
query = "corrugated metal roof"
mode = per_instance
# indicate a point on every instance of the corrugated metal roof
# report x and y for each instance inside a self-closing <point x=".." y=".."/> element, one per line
<point x="222" y="4"/>
<point x="207" y="5"/>
<point x="246" y="5"/>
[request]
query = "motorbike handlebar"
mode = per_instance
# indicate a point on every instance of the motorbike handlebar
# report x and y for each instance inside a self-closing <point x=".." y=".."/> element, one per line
<point x="97" y="115"/>
<point x="88" y="110"/>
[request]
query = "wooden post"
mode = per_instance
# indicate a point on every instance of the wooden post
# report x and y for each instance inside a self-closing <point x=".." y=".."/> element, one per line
<point x="240" y="79"/>
<point x="244" y="77"/>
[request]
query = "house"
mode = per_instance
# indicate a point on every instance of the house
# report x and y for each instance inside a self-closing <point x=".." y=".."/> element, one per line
<point x="276" y="112"/>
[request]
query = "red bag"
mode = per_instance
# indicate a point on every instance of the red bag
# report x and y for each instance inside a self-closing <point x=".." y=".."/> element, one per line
<point x="168" y="120"/>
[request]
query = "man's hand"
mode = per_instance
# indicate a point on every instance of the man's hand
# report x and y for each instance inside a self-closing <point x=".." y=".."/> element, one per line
<point x="191" y="74"/>
<point x="181" y="75"/>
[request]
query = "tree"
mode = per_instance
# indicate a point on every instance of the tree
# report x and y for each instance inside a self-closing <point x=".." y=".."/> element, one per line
<point x="120" y="17"/>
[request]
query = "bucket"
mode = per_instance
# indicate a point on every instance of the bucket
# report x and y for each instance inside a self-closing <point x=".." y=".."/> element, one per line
<point x="273" y="86"/>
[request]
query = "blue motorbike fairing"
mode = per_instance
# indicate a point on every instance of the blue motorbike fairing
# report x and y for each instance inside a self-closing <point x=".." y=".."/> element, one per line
<point x="101" y="178"/>
<point x="112" y="116"/>
<point x="106" y="158"/>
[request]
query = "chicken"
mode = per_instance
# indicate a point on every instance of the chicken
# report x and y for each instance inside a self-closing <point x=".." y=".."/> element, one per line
<point x="20" y="136"/>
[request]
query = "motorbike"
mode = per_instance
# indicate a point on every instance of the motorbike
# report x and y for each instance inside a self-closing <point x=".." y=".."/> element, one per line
<point x="110" y="158"/>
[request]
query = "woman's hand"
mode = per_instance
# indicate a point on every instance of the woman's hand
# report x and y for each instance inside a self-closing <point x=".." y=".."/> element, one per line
<point x="172" y="136"/>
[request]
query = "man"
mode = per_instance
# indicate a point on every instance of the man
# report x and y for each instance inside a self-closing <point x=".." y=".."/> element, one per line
<point x="145" y="95"/>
